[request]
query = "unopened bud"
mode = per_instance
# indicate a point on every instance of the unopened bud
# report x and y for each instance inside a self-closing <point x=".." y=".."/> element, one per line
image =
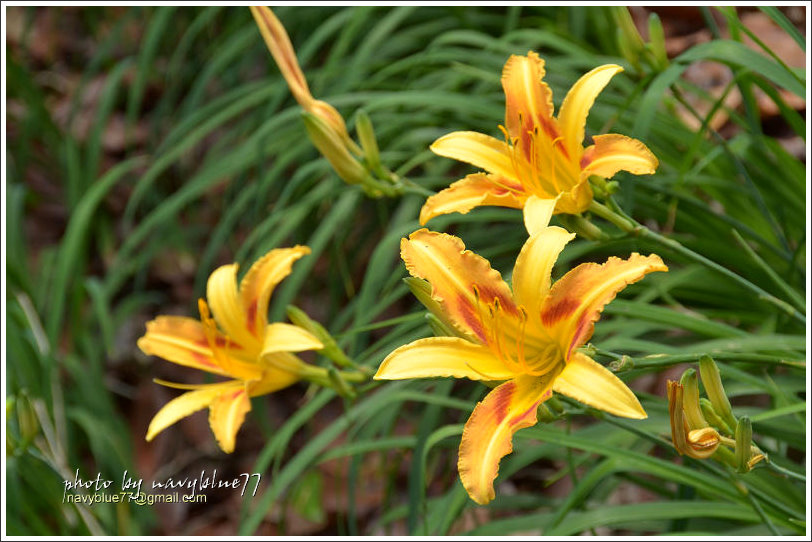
<point x="628" y="38"/>
<point x="656" y="44"/>
<point x="690" y="400"/>
<point x="366" y="135"/>
<point x="332" y="147"/>
<point x="712" y="417"/>
<point x="26" y="419"/>
<point x="333" y="118"/>
<point x="744" y="443"/>
<point x="712" y="381"/>
<point x="612" y="187"/>
<point x="331" y="349"/>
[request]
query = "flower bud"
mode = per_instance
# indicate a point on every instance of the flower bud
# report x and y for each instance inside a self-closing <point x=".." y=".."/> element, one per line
<point x="712" y="417"/>
<point x="26" y="419"/>
<point x="744" y="442"/>
<point x="331" y="348"/>
<point x="330" y="145"/>
<point x="363" y="126"/>
<point x="628" y="38"/>
<point x="656" y="44"/>
<point x="712" y="381"/>
<point x="690" y="400"/>
<point x="334" y="119"/>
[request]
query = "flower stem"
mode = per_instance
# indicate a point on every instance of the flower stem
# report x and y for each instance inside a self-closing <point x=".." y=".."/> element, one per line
<point x="787" y="472"/>
<point x="632" y="227"/>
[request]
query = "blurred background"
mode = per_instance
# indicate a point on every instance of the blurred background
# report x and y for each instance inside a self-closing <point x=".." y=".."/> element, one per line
<point x="148" y="145"/>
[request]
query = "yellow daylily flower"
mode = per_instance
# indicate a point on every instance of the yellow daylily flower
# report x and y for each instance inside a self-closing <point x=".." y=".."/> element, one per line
<point x="543" y="162"/>
<point x="238" y="344"/>
<point x="527" y="336"/>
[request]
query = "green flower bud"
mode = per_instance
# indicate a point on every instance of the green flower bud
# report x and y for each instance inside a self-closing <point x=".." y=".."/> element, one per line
<point x="363" y="126"/>
<point x="331" y="349"/>
<point x="656" y="44"/>
<point x="712" y="381"/>
<point x="744" y="443"/>
<point x="712" y="417"/>
<point x="690" y="400"/>
<point x="334" y="149"/>
<point x="628" y="38"/>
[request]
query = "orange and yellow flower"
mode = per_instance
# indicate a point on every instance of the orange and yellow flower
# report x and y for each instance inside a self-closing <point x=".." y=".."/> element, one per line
<point x="526" y="336"/>
<point x="543" y="162"/>
<point x="238" y="344"/>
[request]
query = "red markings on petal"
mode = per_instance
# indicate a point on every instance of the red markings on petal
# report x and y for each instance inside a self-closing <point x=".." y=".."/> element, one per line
<point x="251" y="317"/>
<point x="559" y="310"/>
<point x="470" y="317"/>
<point x="501" y="400"/>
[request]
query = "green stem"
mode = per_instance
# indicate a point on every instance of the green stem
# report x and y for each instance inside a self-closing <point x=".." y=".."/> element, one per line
<point x="786" y="472"/>
<point x="632" y="227"/>
<point x="583" y="227"/>
<point x="668" y="360"/>
<point x="410" y="187"/>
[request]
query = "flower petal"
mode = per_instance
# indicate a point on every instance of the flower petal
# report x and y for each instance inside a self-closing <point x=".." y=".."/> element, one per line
<point x="226" y="415"/>
<point x="537" y="213"/>
<point x="280" y="370"/>
<point x="187" y="404"/>
<point x="614" y="152"/>
<point x="180" y="340"/>
<point x="241" y="368"/>
<point x="226" y="305"/>
<point x="462" y="282"/>
<point x="531" y="274"/>
<point x="481" y="150"/>
<point x="577" y="199"/>
<point x="488" y="434"/>
<point x="472" y="191"/>
<point x="280" y="337"/>
<point x="442" y="356"/>
<point x="575" y="108"/>
<point x="591" y="383"/>
<point x="528" y="99"/>
<point x="577" y="299"/>
<point x="258" y="284"/>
